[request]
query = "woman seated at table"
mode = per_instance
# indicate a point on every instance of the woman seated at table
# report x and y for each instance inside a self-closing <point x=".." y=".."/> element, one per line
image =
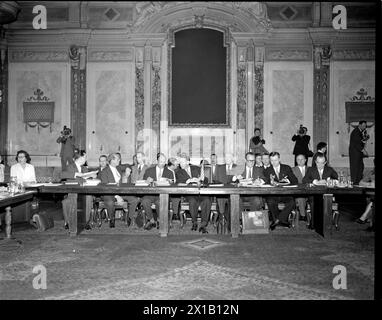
<point x="23" y="170"/>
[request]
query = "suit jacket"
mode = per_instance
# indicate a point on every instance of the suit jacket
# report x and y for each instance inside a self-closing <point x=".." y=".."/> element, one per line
<point x="152" y="173"/>
<point x="182" y="175"/>
<point x="356" y="145"/>
<point x="99" y="171"/>
<point x="135" y="175"/>
<point x="313" y="174"/>
<point x="223" y="175"/>
<point x="297" y="172"/>
<point x="257" y="172"/>
<point x="70" y="170"/>
<point x="106" y="175"/>
<point x="285" y="171"/>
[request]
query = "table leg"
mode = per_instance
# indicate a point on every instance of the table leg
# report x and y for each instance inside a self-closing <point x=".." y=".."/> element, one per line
<point x="327" y="216"/>
<point x="163" y="214"/>
<point x="73" y="221"/>
<point x="8" y="221"/>
<point x="318" y="214"/>
<point x="235" y="214"/>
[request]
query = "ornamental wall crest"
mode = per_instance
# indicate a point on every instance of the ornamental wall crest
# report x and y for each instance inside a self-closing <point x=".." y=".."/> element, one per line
<point x="38" y="111"/>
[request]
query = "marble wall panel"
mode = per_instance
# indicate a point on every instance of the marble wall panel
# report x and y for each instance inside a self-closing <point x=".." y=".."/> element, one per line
<point x="110" y="110"/>
<point x="288" y="108"/>
<point x="24" y="79"/>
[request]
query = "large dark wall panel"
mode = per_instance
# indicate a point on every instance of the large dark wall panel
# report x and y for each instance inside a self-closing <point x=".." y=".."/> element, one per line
<point x="198" y="78"/>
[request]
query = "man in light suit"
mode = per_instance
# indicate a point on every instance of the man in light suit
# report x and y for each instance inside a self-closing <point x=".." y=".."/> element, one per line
<point x="138" y="170"/>
<point x="321" y="172"/>
<point x="191" y="174"/>
<point x="251" y="172"/>
<point x="157" y="173"/>
<point x="281" y="173"/>
<point x="113" y="174"/>
<point x="224" y="174"/>
<point x="299" y="171"/>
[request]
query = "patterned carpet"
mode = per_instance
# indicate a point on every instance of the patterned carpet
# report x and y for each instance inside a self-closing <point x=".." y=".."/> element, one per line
<point x="124" y="264"/>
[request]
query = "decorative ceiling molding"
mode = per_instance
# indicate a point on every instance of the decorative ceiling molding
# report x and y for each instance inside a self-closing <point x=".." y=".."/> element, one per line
<point x="154" y="17"/>
<point x="353" y="54"/>
<point x="36" y="55"/>
<point x="96" y="55"/>
<point x="288" y="54"/>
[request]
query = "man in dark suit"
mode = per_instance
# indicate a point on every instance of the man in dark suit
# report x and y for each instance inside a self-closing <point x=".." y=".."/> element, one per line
<point x="251" y="172"/>
<point x="321" y="172"/>
<point x="356" y="152"/>
<point x="172" y="165"/>
<point x="191" y="174"/>
<point x="111" y="174"/>
<point x="75" y="171"/>
<point x="157" y="173"/>
<point x="102" y="160"/>
<point x="276" y="173"/>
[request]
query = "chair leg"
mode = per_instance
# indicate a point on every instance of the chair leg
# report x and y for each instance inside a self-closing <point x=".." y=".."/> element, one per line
<point x="336" y="217"/>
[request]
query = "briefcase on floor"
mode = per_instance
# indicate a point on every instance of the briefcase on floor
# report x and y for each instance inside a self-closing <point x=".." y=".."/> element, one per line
<point x="43" y="221"/>
<point x="255" y="222"/>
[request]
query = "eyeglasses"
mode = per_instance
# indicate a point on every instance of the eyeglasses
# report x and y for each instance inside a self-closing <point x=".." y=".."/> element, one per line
<point x="251" y="160"/>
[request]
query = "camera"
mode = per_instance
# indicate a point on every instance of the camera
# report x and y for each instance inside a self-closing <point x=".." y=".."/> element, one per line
<point x="301" y="130"/>
<point x="66" y="131"/>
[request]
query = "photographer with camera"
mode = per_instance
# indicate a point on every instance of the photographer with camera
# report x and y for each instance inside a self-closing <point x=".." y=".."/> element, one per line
<point x="67" y="147"/>
<point x="302" y="144"/>
<point x="357" y="152"/>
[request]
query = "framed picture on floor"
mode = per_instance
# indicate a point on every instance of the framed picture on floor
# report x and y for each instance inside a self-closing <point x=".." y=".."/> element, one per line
<point x="255" y="222"/>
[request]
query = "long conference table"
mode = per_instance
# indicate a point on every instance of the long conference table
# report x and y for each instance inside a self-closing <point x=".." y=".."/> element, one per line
<point x="321" y="199"/>
<point x="21" y="202"/>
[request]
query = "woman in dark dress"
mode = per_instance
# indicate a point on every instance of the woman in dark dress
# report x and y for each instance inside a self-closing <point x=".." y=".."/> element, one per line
<point x="256" y="144"/>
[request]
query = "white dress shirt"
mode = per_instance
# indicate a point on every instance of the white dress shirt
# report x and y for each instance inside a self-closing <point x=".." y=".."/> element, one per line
<point x="2" y="172"/>
<point x="321" y="172"/>
<point x="277" y="171"/>
<point x="159" y="172"/>
<point x="78" y="167"/>
<point x="302" y="169"/>
<point x="116" y="174"/>
<point x="249" y="173"/>
<point x="23" y="175"/>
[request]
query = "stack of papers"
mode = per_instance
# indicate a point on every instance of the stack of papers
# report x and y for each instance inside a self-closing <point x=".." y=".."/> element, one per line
<point x="162" y="183"/>
<point x="92" y="182"/>
<point x="141" y="183"/>
<point x="216" y="185"/>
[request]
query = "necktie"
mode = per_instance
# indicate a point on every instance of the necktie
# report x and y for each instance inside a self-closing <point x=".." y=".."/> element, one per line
<point x="303" y="171"/>
<point x="320" y="171"/>
<point x="139" y="169"/>
<point x="189" y="171"/>
<point x="277" y="172"/>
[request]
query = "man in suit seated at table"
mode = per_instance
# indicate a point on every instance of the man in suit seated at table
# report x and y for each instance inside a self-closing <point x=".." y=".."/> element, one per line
<point x="173" y="165"/>
<point x="254" y="173"/>
<point x="111" y="174"/>
<point x="321" y="172"/>
<point x="281" y="173"/>
<point x="224" y="174"/>
<point x="158" y="173"/>
<point x="74" y="171"/>
<point x="299" y="171"/>
<point x="138" y="170"/>
<point x="191" y="174"/>
<point x="102" y="160"/>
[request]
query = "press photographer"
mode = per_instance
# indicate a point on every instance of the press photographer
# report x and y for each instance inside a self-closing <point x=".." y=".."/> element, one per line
<point x="67" y="147"/>
<point x="302" y="144"/>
